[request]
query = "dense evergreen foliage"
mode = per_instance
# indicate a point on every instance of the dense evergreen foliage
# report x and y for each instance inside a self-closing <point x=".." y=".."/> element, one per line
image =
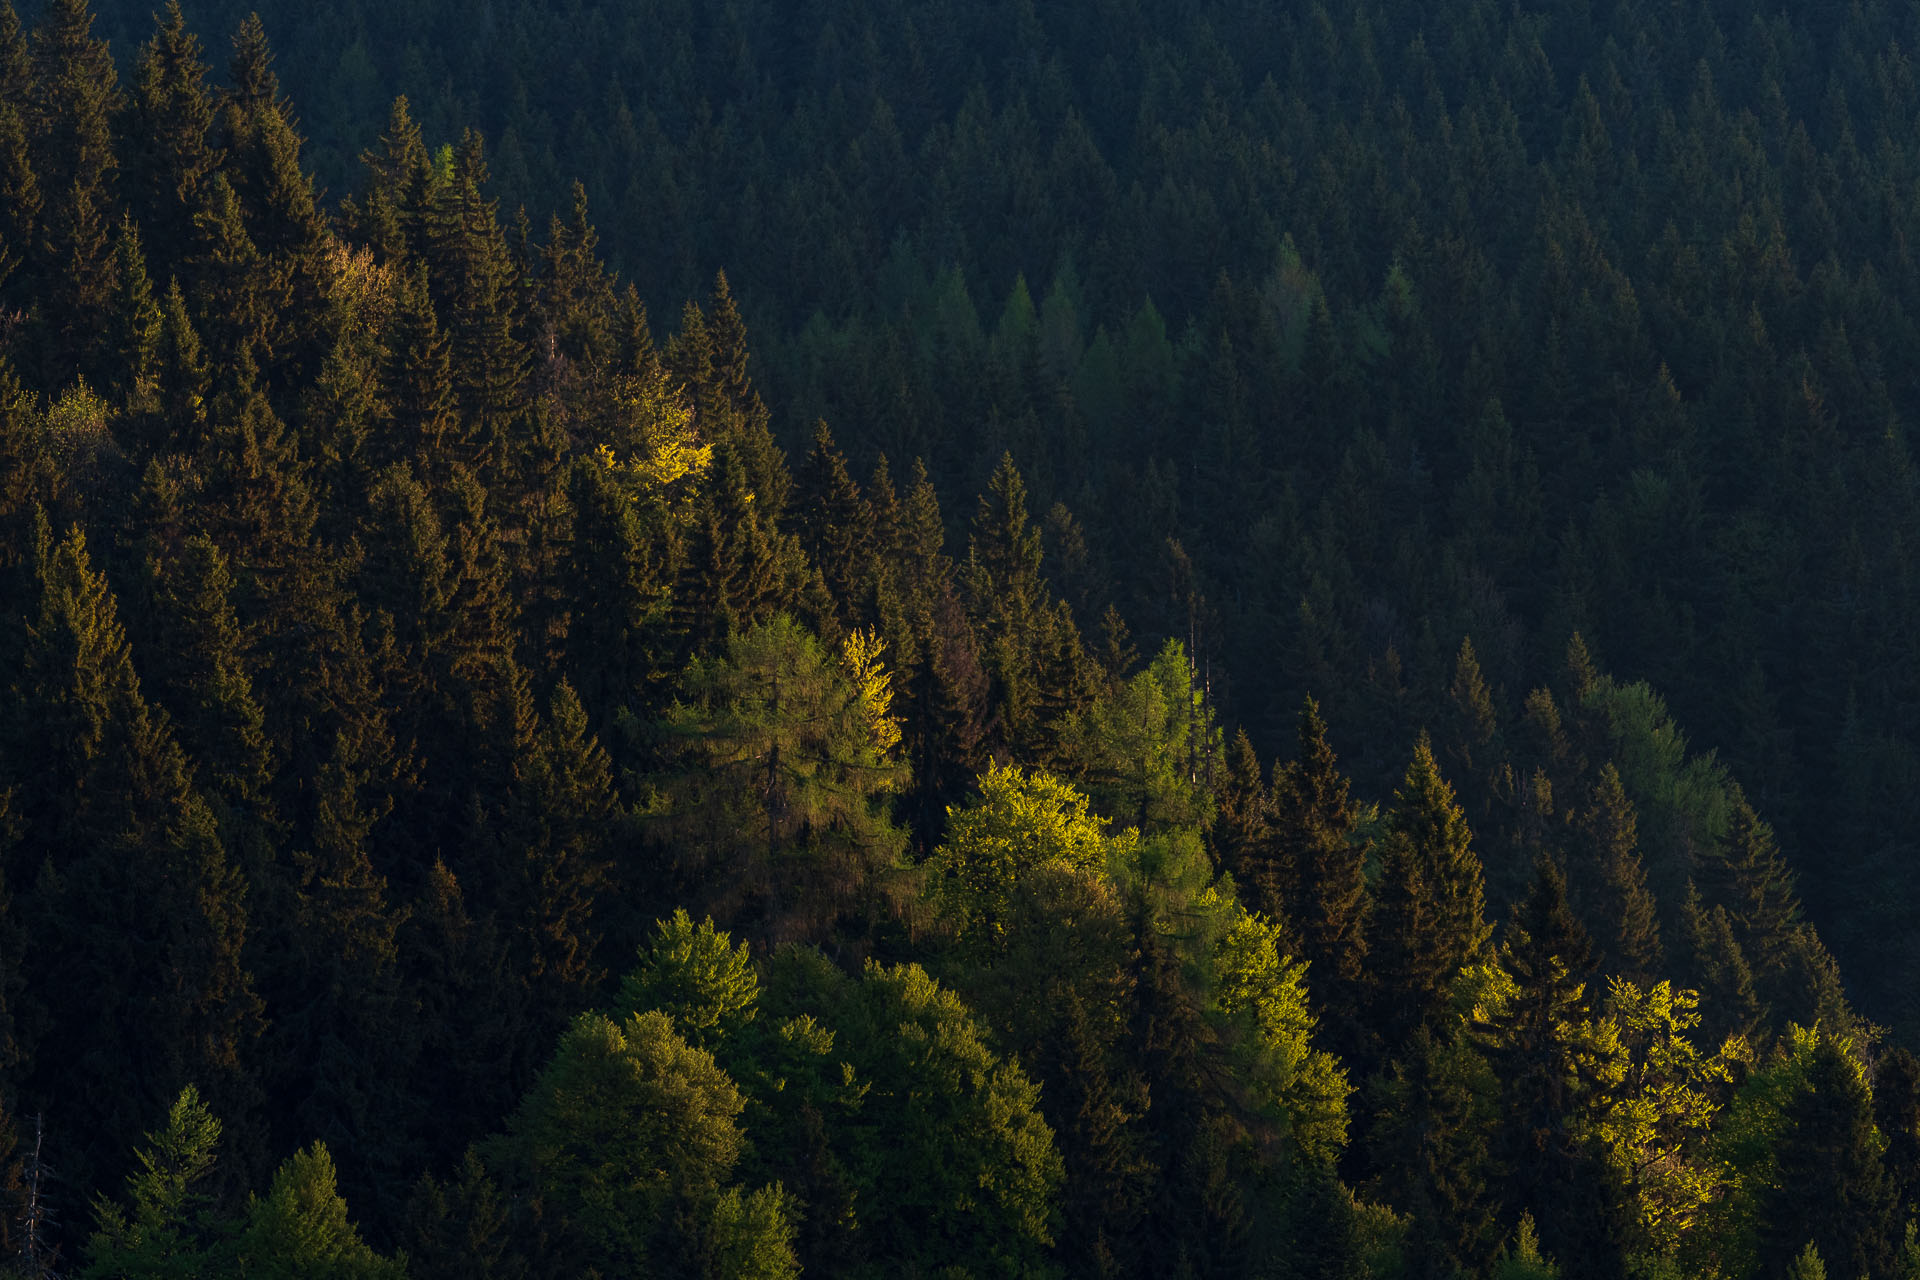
<point x="491" y="787"/>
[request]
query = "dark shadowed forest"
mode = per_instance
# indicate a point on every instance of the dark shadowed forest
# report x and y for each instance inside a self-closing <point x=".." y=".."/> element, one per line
<point x="901" y="638"/>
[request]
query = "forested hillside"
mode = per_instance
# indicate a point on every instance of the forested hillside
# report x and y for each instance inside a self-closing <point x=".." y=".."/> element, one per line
<point x="1011" y="644"/>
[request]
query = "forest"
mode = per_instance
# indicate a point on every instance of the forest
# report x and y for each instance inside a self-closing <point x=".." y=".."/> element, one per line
<point x="893" y="638"/>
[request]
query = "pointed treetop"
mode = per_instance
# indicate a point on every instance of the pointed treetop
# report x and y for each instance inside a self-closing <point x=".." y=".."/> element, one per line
<point x="1429" y="820"/>
<point x="15" y="67"/>
<point x="254" y="84"/>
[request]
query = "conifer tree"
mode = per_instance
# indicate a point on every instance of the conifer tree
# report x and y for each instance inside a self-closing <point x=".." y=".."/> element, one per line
<point x="397" y="175"/>
<point x="1896" y="1113"/>
<point x="1313" y="818"/>
<point x="554" y="859"/>
<point x="72" y="98"/>
<point x="251" y="81"/>
<point x="185" y="381"/>
<point x="1719" y="967"/>
<point x="837" y="527"/>
<point x="239" y="296"/>
<point x="340" y="991"/>
<point x="133" y="882"/>
<point x="788" y="762"/>
<point x="1550" y="1071"/>
<point x="171" y="149"/>
<point x="419" y="384"/>
<point x="1749" y="877"/>
<point x="19" y="206"/>
<point x="1833" y="1188"/>
<point x="16" y="66"/>
<point x="725" y="399"/>
<point x="133" y="341"/>
<point x="489" y="363"/>
<point x="1624" y="916"/>
<point x="199" y="671"/>
<point x="1240" y="825"/>
<point x="1435" y="1110"/>
<point x="1010" y="604"/>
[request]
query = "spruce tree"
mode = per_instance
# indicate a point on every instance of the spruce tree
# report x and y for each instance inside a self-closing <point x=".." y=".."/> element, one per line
<point x="1718" y="968"/>
<point x="836" y="525"/>
<point x="1550" y="1071"/>
<point x="20" y="208"/>
<point x="133" y="341"/>
<point x="143" y="918"/>
<point x="16" y="65"/>
<point x="1896" y="1113"/>
<point x="1429" y="820"/>
<point x="1832" y="1186"/>
<point x="171" y="150"/>
<point x="1007" y="598"/>
<point x="1314" y="819"/>
<point x="1241" y="824"/>
<point x="1624" y="915"/>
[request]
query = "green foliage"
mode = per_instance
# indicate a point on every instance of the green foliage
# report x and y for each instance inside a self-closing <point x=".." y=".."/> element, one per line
<point x="627" y="1142"/>
<point x="1148" y="752"/>
<point x="399" y="630"/>
<point x="788" y="764"/>
<point x="159" y="1233"/>
<point x="172" y="1226"/>
<point x="1662" y="1095"/>
<point x="692" y="973"/>
<point x="299" y="1229"/>
<point x="1023" y="823"/>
